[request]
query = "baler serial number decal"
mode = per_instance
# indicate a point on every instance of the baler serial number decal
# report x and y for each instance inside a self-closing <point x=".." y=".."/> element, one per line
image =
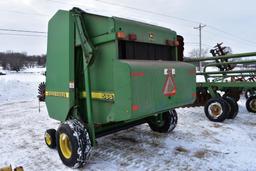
<point x="101" y="96"/>
<point x="57" y="94"/>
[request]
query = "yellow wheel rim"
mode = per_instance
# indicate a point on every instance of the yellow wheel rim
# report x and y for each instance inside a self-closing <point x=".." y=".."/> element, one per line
<point x="48" y="139"/>
<point x="65" y="146"/>
<point x="215" y="109"/>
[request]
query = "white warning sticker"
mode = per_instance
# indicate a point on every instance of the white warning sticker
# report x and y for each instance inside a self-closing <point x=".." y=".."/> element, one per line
<point x="166" y="71"/>
<point x="71" y="85"/>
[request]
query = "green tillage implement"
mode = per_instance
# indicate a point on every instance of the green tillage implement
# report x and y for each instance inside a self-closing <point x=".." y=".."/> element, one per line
<point x="230" y="81"/>
<point x="106" y="74"/>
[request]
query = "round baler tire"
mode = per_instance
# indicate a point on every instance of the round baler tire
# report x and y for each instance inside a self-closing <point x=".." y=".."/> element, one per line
<point x="50" y="138"/>
<point x="73" y="143"/>
<point x="221" y="107"/>
<point x="168" y="124"/>
<point x="251" y="104"/>
<point x="233" y="111"/>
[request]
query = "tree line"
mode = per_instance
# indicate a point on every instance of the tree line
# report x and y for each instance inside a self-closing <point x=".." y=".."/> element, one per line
<point x="16" y="61"/>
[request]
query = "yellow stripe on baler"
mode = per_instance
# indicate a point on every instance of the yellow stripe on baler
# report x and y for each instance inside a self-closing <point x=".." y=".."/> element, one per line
<point x="95" y="95"/>
<point x="57" y="94"/>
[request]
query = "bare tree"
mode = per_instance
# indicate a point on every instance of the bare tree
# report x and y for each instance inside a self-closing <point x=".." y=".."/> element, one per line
<point x="17" y="61"/>
<point x="194" y="53"/>
<point x="4" y="64"/>
<point x="41" y="61"/>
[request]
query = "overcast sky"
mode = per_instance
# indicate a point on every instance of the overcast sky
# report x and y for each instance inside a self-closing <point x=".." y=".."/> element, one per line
<point x="230" y="21"/>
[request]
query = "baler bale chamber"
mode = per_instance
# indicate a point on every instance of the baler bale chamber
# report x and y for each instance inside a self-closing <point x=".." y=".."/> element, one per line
<point x="106" y="74"/>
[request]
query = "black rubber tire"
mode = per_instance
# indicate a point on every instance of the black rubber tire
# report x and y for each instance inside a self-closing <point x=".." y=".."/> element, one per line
<point x="249" y="106"/>
<point x="221" y="103"/>
<point x="235" y="94"/>
<point x="52" y="135"/>
<point x="233" y="107"/>
<point x="79" y="141"/>
<point x="170" y="120"/>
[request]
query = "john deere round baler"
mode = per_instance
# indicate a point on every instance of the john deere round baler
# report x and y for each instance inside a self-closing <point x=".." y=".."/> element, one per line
<point x="106" y="74"/>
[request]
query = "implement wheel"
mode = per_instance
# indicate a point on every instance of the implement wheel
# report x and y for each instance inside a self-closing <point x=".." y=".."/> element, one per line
<point x="251" y="104"/>
<point x="73" y="143"/>
<point x="233" y="107"/>
<point x="164" y="122"/>
<point x="50" y="138"/>
<point x="216" y="109"/>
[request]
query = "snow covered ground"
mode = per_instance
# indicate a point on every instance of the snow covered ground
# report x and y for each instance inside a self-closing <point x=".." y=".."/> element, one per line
<point x="196" y="143"/>
<point x="20" y="86"/>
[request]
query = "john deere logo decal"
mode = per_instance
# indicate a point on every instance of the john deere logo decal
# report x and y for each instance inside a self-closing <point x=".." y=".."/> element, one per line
<point x="151" y="36"/>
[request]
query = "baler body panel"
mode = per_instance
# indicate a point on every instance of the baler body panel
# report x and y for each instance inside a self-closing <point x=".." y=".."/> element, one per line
<point x="60" y="65"/>
<point x="139" y="88"/>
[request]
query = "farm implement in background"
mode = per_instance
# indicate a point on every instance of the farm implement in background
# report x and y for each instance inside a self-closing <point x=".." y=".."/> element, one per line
<point x="218" y="91"/>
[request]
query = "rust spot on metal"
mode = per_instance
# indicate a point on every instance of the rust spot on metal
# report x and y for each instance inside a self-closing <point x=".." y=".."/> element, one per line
<point x="137" y="74"/>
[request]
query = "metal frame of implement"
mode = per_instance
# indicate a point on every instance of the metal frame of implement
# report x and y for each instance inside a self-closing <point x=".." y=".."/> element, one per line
<point x="230" y="81"/>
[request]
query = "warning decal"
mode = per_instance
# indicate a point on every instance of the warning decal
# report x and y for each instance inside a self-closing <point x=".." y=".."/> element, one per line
<point x="169" y="88"/>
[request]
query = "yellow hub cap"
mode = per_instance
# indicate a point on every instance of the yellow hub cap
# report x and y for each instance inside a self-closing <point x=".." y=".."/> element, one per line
<point x="65" y="146"/>
<point x="215" y="110"/>
<point x="48" y="139"/>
